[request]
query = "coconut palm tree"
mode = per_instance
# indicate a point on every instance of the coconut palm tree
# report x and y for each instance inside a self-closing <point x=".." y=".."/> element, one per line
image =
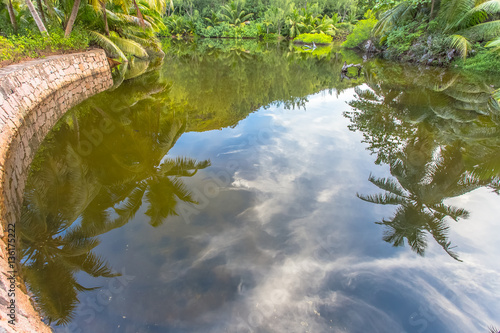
<point x="72" y="18"/>
<point x="295" y="23"/>
<point x="72" y="199"/>
<point x="234" y="13"/>
<point x="12" y="15"/>
<point x="36" y="17"/>
<point x="123" y="33"/>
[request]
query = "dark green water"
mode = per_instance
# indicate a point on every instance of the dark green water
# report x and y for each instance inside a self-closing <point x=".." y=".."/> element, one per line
<point x="234" y="188"/>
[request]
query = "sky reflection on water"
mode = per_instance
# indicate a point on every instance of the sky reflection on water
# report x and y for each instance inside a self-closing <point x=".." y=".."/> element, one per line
<point x="286" y="246"/>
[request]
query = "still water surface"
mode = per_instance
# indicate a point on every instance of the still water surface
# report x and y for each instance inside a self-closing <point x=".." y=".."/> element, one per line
<point x="234" y="188"/>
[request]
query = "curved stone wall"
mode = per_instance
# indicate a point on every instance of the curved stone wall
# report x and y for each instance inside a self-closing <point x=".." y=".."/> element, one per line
<point x="33" y="97"/>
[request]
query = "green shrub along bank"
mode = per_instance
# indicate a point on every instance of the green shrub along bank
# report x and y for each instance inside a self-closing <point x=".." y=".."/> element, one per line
<point x="482" y="61"/>
<point x="33" y="45"/>
<point x="361" y="31"/>
<point x="313" y="38"/>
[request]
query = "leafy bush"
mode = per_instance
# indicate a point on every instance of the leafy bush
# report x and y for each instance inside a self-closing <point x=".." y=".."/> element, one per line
<point x="401" y="38"/>
<point x="316" y="38"/>
<point x="345" y="27"/>
<point x="484" y="61"/>
<point x="30" y="45"/>
<point x="6" y="49"/>
<point x="361" y="32"/>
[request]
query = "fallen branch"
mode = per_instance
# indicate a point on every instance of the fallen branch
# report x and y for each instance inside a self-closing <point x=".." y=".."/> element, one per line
<point x="344" y="72"/>
<point x="346" y="67"/>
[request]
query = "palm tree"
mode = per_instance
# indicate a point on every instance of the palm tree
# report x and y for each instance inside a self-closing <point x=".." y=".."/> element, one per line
<point x="468" y="21"/>
<point x="123" y="35"/>
<point x="234" y="14"/>
<point x="325" y="25"/>
<point x="295" y="23"/>
<point x="72" y="18"/>
<point x="36" y="17"/>
<point x="214" y="19"/>
<point x="12" y="15"/>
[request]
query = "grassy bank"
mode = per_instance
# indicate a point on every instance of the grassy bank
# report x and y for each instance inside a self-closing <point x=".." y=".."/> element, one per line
<point x="31" y="45"/>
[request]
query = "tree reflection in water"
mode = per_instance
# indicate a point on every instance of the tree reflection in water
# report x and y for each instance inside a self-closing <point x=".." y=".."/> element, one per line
<point x="438" y="133"/>
<point x="74" y="195"/>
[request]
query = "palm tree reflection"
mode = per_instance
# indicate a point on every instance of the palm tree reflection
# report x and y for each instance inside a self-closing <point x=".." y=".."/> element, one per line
<point x="435" y="136"/>
<point x="72" y="198"/>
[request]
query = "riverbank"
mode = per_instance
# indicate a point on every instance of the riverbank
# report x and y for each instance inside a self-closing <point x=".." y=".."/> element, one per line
<point x="33" y="96"/>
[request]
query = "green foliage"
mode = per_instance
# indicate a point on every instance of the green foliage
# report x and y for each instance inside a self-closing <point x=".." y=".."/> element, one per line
<point x="6" y="49"/>
<point x="459" y="23"/>
<point x="320" y="38"/>
<point x="179" y="26"/>
<point x="401" y="38"/>
<point x="34" y="45"/>
<point x="234" y="14"/>
<point x="361" y="32"/>
<point x="484" y="61"/>
<point x="345" y="27"/>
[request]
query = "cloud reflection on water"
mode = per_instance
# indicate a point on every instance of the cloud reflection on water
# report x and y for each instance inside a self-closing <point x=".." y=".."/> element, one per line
<point x="288" y="247"/>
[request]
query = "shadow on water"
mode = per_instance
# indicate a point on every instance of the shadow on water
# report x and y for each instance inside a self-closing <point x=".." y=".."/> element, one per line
<point x="109" y="157"/>
<point x="440" y="134"/>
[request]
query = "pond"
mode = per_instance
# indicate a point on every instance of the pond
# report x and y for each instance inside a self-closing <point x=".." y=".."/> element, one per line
<point x="250" y="187"/>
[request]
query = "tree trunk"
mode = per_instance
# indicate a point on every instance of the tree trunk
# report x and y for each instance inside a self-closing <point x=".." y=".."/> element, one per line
<point x="105" y="18"/>
<point x="40" y="9"/>
<point x="72" y="18"/>
<point x="50" y="9"/>
<point x="139" y="15"/>
<point x="37" y="19"/>
<point x="12" y="16"/>
<point x="432" y="9"/>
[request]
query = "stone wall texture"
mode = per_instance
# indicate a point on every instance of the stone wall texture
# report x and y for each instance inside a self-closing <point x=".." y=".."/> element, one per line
<point x="33" y="97"/>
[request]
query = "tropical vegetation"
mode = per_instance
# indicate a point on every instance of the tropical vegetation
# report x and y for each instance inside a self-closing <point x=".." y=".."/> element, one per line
<point x="436" y="32"/>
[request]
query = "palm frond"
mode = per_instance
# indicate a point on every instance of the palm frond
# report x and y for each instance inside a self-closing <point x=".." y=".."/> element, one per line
<point x="439" y="231"/>
<point x="452" y="11"/>
<point x="382" y="198"/>
<point x="478" y="14"/>
<point x="391" y="17"/>
<point x="461" y="44"/>
<point x="388" y="185"/>
<point x="108" y="45"/>
<point x="484" y="31"/>
<point x="493" y="329"/>
<point x="495" y="45"/>
<point x="454" y="212"/>
<point x="131" y="20"/>
<point x="93" y="265"/>
<point x="129" y="46"/>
